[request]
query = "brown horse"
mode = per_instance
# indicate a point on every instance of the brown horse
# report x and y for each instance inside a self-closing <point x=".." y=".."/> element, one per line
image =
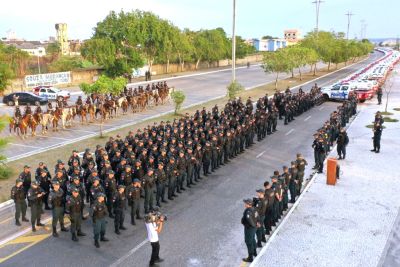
<point x="33" y="121"/>
<point x="92" y="112"/>
<point x="56" y="118"/>
<point x="82" y="111"/>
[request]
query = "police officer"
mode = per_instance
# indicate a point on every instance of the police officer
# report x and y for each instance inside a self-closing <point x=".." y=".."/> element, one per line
<point x="301" y="164"/>
<point x="294" y="181"/>
<point x="342" y="142"/>
<point x="74" y="205"/>
<point x="377" y="137"/>
<point x="99" y="213"/>
<point x="260" y="205"/>
<point x="18" y="195"/>
<point x="95" y="189"/>
<point x="133" y="192"/>
<point x="110" y="187"/>
<point x="149" y="186"/>
<point x="249" y="222"/>
<point x="119" y="203"/>
<point x="171" y="172"/>
<point x="56" y="203"/>
<point x="319" y="151"/>
<point x="161" y="180"/>
<point x="35" y="195"/>
<point x="25" y="176"/>
<point x="379" y="94"/>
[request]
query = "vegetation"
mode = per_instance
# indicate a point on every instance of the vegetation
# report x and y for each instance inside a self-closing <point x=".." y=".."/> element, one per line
<point x="234" y="88"/>
<point x="178" y="97"/>
<point x="104" y="85"/>
<point x="5" y="171"/>
<point x="67" y="63"/>
<point x="389" y="119"/>
<point x="277" y="62"/>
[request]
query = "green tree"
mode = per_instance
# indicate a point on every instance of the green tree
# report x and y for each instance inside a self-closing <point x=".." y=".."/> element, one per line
<point x="104" y="85"/>
<point x="242" y="48"/>
<point x="178" y="97"/>
<point x="277" y="62"/>
<point x="185" y="49"/>
<point x="5" y="171"/>
<point x="68" y="63"/>
<point x="233" y="89"/>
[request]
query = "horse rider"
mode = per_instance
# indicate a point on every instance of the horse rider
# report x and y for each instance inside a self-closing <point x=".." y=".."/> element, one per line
<point x="17" y="114"/>
<point x="16" y="99"/>
<point x="38" y="109"/>
<point x="79" y="101"/>
<point x="28" y="110"/>
<point x="59" y="103"/>
<point x="50" y="108"/>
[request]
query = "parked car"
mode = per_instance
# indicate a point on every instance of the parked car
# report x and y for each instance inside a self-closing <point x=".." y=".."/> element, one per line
<point x="24" y="98"/>
<point x="51" y="93"/>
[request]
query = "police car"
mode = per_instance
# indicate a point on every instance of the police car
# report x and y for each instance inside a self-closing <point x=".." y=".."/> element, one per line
<point x="51" y="93"/>
<point x="336" y="92"/>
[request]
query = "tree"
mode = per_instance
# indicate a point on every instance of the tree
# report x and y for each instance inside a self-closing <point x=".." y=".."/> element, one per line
<point x="233" y="89"/>
<point x="276" y="62"/>
<point x="68" y="63"/>
<point x="5" y="76"/>
<point x="104" y="85"/>
<point x="5" y="171"/>
<point x="242" y="48"/>
<point x="178" y="97"/>
<point x="185" y="48"/>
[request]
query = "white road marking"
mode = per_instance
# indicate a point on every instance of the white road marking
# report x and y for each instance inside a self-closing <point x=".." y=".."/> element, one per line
<point x="127" y="255"/>
<point x="259" y="155"/>
<point x="13" y="144"/>
<point x="321" y="108"/>
<point x="306" y="119"/>
<point x="53" y="137"/>
<point x="291" y="131"/>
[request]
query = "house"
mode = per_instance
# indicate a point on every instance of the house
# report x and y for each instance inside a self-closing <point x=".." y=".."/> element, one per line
<point x="269" y="44"/>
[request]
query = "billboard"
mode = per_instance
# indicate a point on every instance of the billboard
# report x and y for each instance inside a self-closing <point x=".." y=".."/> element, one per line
<point x="47" y="79"/>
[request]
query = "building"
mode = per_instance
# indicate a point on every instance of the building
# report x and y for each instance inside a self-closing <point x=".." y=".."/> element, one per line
<point x="62" y="37"/>
<point x="33" y="48"/>
<point x="268" y="44"/>
<point x="292" y="36"/>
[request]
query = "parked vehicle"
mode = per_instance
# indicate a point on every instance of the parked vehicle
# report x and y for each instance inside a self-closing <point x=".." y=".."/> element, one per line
<point x="51" y="93"/>
<point x="24" y="98"/>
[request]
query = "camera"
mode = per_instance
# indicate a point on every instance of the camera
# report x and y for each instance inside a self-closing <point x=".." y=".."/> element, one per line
<point x="155" y="216"/>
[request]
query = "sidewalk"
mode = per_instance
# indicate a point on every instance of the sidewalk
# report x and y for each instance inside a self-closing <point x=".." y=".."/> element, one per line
<point x="348" y="224"/>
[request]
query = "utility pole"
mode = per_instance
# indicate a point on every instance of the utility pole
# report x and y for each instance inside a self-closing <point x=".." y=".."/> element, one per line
<point x="317" y="4"/>
<point x="234" y="42"/>
<point x="349" y="14"/>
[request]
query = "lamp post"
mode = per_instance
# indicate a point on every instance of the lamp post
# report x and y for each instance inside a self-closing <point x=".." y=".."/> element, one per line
<point x="38" y="59"/>
<point x="234" y="43"/>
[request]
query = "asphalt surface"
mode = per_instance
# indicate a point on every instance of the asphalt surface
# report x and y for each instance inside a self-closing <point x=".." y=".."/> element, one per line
<point x="203" y="227"/>
<point x="198" y="88"/>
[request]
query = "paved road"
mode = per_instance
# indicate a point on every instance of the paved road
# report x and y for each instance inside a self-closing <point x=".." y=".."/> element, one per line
<point x="198" y="88"/>
<point x="204" y="223"/>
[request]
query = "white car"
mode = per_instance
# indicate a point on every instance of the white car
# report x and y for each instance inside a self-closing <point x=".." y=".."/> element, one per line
<point x="51" y="93"/>
<point x="336" y="92"/>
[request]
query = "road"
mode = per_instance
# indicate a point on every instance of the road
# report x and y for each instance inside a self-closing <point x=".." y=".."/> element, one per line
<point x="204" y="227"/>
<point x="199" y="87"/>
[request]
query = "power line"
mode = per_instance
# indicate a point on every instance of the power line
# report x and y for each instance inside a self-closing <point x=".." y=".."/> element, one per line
<point x="317" y="5"/>
<point x="349" y="15"/>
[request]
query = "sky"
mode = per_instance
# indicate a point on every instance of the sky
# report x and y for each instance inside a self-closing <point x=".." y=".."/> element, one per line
<point x="34" y="20"/>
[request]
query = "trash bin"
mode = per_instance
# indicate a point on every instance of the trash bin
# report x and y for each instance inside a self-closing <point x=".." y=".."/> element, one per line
<point x="331" y="171"/>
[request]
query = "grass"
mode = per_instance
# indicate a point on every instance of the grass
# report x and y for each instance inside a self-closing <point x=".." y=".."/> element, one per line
<point x="389" y="119"/>
<point x="64" y="152"/>
<point x="386" y="113"/>
<point x="371" y="126"/>
<point x="396" y="109"/>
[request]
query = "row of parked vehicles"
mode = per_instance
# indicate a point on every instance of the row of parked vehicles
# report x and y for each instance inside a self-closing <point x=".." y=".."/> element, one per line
<point x="365" y="82"/>
<point x="39" y="95"/>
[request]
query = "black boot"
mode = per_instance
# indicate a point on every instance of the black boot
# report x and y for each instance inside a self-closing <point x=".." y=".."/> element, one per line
<point x="33" y="227"/>
<point x="103" y="238"/>
<point x="122" y="227"/>
<point x="39" y="224"/>
<point x="63" y="229"/>
<point x="259" y="245"/>
<point x="117" y="232"/>
<point x="80" y="233"/>
<point x="25" y="219"/>
<point x="55" y="231"/>
<point x="17" y="223"/>
<point x="74" y="238"/>
<point x="248" y="259"/>
<point x="96" y="243"/>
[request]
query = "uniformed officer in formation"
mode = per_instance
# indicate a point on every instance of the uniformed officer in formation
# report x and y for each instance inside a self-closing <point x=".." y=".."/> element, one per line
<point x="74" y="206"/>
<point x="35" y="198"/>
<point x="133" y="194"/>
<point x="119" y="203"/>
<point x="18" y="195"/>
<point x="250" y="223"/>
<point x="56" y="203"/>
<point x="99" y="213"/>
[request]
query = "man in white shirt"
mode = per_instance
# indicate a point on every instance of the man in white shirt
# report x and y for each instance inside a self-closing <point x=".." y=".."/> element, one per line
<point x="154" y="227"/>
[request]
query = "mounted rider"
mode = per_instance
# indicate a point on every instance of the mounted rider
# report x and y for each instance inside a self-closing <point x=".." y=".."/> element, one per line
<point x="38" y="109"/>
<point x="28" y="110"/>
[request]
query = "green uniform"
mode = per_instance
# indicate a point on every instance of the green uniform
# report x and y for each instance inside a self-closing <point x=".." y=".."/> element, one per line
<point x="18" y="195"/>
<point x="56" y="203"/>
<point x="249" y="222"/>
<point x="99" y="213"/>
<point x="133" y="194"/>
<point x="301" y="165"/>
<point x="36" y="204"/>
<point x="149" y="186"/>
<point x="74" y="206"/>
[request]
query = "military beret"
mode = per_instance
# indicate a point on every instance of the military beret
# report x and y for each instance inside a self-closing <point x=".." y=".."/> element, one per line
<point x="260" y="191"/>
<point x="26" y="166"/>
<point x="100" y="195"/>
<point x="293" y="162"/>
<point x="248" y="201"/>
<point x="75" y="190"/>
<point x="298" y="155"/>
<point x="110" y="172"/>
<point x="284" y="167"/>
<point x="150" y="170"/>
<point x="96" y="179"/>
<point x="128" y="166"/>
<point x="59" y="161"/>
<point x="121" y="186"/>
<point x="123" y="159"/>
<point x="87" y="149"/>
<point x="107" y="162"/>
<point x="35" y="182"/>
<point x="43" y="171"/>
<point x="77" y="169"/>
<point x="136" y="180"/>
<point x="74" y="151"/>
<point x="161" y="163"/>
<point x="19" y="180"/>
<point x="75" y="177"/>
<point x="55" y="182"/>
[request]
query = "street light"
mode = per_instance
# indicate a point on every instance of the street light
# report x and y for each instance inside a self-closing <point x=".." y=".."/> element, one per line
<point x="234" y="43"/>
<point x="38" y="61"/>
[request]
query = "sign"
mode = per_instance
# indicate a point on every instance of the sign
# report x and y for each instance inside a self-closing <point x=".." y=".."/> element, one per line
<point x="47" y="79"/>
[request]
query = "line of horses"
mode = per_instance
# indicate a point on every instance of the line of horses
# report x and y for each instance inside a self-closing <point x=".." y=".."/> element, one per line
<point x="100" y="107"/>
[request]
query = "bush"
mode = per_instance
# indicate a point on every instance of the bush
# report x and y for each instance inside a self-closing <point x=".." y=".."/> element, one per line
<point x="178" y="97"/>
<point x="5" y="172"/>
<point x="234" y="88"/>
<point x="388" y="119"/>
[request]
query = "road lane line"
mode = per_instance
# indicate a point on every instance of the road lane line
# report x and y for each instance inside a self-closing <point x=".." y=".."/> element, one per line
<point x="259" y="155"/>
<point x="321" y="108"/>
<point x="127" y="255"/>
<point x="306" y="119"/>
<point x="52" y="137"/>
<point x="14" y="144"/>
<point x="291" y="131"/>
<point x="75" y="130"/>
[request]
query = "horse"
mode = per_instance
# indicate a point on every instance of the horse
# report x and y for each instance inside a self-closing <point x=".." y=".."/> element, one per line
<point x="66" y="117"/>
<point x="33" y="121"/>
<point x="56" y="118"/>
<point x="47" y="118"/>
<point x="92" y="112"/>
<point x="82" y="110"/>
